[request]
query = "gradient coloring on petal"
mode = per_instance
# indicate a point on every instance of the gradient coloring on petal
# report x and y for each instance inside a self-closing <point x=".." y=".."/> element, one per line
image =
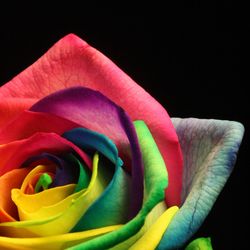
<point x="56" y="242"/>
<point x="112" y="206"/>
<point x="8" y="181"/>
<point x="156" y="180"/>
<point x="28" y="123"/>
<point x="151" y="239"/>
<point x="14" y="154"/>
<point x="209" y="149"/>
<point x="55" y="217"/>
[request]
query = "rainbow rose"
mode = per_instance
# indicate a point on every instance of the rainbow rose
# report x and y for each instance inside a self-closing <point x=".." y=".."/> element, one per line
<point x="89" y="160"/>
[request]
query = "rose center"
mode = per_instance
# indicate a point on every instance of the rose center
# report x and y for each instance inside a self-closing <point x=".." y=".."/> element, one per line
<point x="43" y="182"/>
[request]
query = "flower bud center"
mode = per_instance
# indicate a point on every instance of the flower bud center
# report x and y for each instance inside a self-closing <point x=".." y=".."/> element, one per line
<point x="43" y="182"/>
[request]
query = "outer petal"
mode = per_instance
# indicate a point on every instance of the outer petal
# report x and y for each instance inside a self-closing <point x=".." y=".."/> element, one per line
<point x="73" y="62"/>
<point x="209" y="150"/>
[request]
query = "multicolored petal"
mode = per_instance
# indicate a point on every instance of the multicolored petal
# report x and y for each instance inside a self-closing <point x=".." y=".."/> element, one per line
<point x="209" y="150"/>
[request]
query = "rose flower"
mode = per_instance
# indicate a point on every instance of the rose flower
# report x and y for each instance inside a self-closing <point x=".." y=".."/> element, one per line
<point x="89" y="160"/>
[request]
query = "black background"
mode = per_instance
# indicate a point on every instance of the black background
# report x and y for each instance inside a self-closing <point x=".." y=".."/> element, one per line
<point x="187" y="57"/>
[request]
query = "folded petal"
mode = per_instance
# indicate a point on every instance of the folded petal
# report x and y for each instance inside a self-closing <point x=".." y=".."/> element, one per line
<point x="150" y="219"/>
<point x="14" y="154"/>
<point x="68" y="169"/>
<point x="209" y="149"/>
<point x="72" y="62"/>
<point x="57" y="214"/>
<point x="31" y="179"/>
<point x="10" y="108"/>
<point x="28" y="123"/>
<point x="10" y="180"/>
<point x="200" y="243"/>
<point x="112" y="207"/>
<point x="56" y="242"/>
<point x="150" y="240"/>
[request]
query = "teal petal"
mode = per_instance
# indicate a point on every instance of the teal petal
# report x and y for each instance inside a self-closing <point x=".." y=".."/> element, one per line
<point x="94" y="141"/>
<point x="209" y="151"/>
<point x="112" y="206"/>
<point x="84" y="173"/>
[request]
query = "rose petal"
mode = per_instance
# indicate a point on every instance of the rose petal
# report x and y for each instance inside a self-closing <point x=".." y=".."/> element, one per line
<point x="68" y="169"/>
<point x="56" y="218"/>
<point x="10" y="180"/>
<point x="155" y="182"/>
<point x="113" y="205"/>
<point x="150" y="219"/>
<point x="200" y="243"/>
<point x="28" y="123"/>
<point x="72" y="61"/>
<point x="30" y="180"/>
<point x="30" y="205"/>
<point x="94" y="111"/>
<point x="56" y="242"/>
<point x="209" y="149"/>
<point x="10" y="108"/>
<point x="15" y="153"/>
<point x="153" y="236"/>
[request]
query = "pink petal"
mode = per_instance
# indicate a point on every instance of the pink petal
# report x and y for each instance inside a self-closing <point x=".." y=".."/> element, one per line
<point x="72" y="62"/>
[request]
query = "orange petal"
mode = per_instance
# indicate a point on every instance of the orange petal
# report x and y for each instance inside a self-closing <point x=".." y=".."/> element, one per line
<point x="10" y="180"/>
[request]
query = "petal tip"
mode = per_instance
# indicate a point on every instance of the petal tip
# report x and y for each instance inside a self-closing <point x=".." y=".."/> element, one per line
<point x="74" y="40"/>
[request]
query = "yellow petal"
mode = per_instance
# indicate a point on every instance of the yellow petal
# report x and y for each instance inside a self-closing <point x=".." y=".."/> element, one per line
<point x="62" y="221"/>
<point x="35" y="206"/>
<point x="33" y="173"/>
<point x="153" y="215"/>
<point x="151" y="239"/>
<point x="53" y="242"/>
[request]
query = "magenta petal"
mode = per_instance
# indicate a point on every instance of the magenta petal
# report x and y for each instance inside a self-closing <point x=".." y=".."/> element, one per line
<point x="94" y="111"/>
<point x="28" y="123"/>
<point x="14" y="154"/>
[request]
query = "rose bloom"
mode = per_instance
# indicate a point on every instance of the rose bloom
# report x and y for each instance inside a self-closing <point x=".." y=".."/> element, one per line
<point x="89" y="160"/>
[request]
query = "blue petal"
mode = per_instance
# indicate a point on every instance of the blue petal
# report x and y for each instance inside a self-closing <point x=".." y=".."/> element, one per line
<point x="209" y="149"/>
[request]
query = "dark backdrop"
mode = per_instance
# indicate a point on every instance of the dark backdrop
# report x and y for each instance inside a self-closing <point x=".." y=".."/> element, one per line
<point x="188" y="58"/>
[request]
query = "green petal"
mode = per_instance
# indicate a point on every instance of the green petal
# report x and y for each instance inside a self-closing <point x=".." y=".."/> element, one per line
<point x="156" y="181"/>
<point x="200" y="244"/>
